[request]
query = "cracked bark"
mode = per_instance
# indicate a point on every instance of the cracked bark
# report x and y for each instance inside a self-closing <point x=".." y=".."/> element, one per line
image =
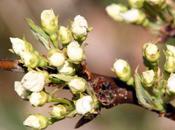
<point x="109" y="91"/>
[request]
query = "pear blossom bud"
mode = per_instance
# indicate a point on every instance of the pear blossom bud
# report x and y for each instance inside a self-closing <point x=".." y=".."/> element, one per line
<point x="36" y="121"/>
<point x="151" y="52"/>
<point x="77" y="84"/>
<point x="148" y="78"/>
<point x="38" y="98"/>
<point x="134" y="16"/>
<point x="67" y="69"/>
<point x="18" y="45"/>
<point x="75" y="52"/>
<point x="30" y="59"/>
<point x="122" y="70"/>
<point x="171" y="83"/>
<point x="84" y="105"/>
<point x="79" y="28"/>
<point x="136" y="3"/>
<point x="65" y="35"/>
<point x="169" y="65"/>
<point x="59" y="111"/>
<point x="34" y="81"/>
<point x="56" y="58"/>
<point x="20" y="90"/>
<point x="170" y="51"/>
<point x="49" y="21"/>
<point x="115" y="11"/>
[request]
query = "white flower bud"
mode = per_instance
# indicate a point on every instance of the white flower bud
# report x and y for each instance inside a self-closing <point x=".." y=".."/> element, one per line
<point x="49" y="21"/>
<point x="151" y="52"/>
<point x="65" y="35"/>
<point x="122" y="70"/>
<point x="171" y="83"/>
<point x="30" y="59"/>
<point x="36" y="121"/>
<point x="115" y="11"/>
<point x="148" y="78"/>
<point x="75" y="52"/>
<point x="38" y="98"/>
<point x="136" y="3"/>
<point x="67" y="69"/>
<point x="169" y="65"/>
<point x="59" y="111"/>
<point x="80" y="28"/>
<point x="84" y="105"/>
<point x="20" y="90"/>
<point x="34" y="81"/>
<point x="134" y="16"/>
<point x="77" y="84"/>
<point x="18" y="45"/>
<point x="170" y="50"/>
<point x="56" y="58"/>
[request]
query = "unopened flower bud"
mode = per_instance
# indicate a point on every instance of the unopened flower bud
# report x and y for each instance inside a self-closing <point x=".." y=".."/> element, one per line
<point x="148" y="78"/>
<point x="77" y="84"/>
<point x="65" y="35"/>
<point x="38" y="98"/>
<point x="56" y="58"/>
<point x="79" y="28"/>
<point x="30" y="59"/>
<point x="134" y="16"/>
<point x="136" y="3"/>
<point x="75" y="52"/>
<point x="115" y="11"/>
<point x="36" y="121"/>
<point x="59" y="111"/>
<point x="18" y="45"/>
<point x="151" y="52"/>
<point x="171" y="83"/>
<point x="67" y="69"/>
<point x="84" y="105"/>
<point x="20" y="90"/>
<point x="170" y="51"/>
<point x="169" y="65"/>
<point x="34" y="81"/>
<point x="49" y="21"/>
<point x="122" y="70"/>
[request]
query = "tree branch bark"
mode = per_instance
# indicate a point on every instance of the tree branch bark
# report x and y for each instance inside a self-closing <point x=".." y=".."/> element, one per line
<point x="109" y="91"/>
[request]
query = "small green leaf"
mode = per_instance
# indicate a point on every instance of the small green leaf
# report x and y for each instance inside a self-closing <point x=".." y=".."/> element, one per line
<point x="145" y="98"/>
<point x="39" y="34"/>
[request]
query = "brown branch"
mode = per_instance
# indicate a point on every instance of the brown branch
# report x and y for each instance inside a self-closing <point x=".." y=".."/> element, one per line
<point x="109" y="91"/>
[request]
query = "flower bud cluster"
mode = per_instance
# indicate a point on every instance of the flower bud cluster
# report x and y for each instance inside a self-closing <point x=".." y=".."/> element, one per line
<point x="138" y="11"/>
<point x="59" y="68"/>
<point x="122" y="14"/>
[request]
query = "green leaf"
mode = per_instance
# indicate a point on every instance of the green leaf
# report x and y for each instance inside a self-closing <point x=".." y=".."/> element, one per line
<point x="145" y="98"/>
<point x="40" y="34"/>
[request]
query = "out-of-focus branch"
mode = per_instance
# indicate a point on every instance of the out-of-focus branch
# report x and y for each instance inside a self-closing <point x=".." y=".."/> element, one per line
<point x="109" y="91"/>
<point x="11" y="65"/>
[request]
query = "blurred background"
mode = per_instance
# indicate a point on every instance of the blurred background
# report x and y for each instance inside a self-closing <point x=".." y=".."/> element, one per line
<point x="108" y="40"/>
